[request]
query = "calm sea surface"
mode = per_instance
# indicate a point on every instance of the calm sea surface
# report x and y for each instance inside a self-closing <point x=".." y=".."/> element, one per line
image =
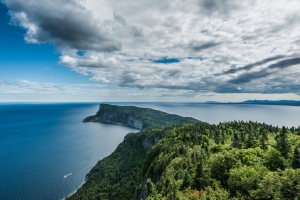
<point x="42" y="143"/>
<point x="46" y="150"/>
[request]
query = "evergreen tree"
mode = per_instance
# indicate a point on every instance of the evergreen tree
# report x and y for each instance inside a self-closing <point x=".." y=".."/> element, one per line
<point x="187" y="180"/>
<point x="256" y="133"/>
<point x="249" y="140"/>
<point x="199" y="176"/>
<point x="217" y="136"/>
<point x="263" y="140"/>
<point x="296" y="158"/>
<point x="236" y="141"/>
<point x="282" y="143"/>
<point x="293" y="129"/>
<point x="223" y="137"/>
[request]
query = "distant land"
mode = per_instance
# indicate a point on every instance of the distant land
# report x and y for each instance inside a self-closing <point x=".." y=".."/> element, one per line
<point x="261" y="102"/>
<point x="135" y="117"/>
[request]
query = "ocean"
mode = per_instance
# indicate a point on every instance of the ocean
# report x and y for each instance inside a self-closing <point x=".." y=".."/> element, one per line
<point x="46" y="150"/>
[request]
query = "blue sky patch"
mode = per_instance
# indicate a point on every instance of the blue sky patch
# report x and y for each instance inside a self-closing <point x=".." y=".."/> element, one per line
<point x="166" y="60"/>
<point x="81" y="53"/>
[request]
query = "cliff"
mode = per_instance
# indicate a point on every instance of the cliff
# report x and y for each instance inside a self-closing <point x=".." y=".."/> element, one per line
<point x="119" y="175"/>
<point x="139" y="118"/>
<point x="105" y="115"/>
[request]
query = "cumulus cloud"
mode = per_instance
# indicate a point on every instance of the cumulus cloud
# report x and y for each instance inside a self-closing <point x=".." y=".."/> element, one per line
<point x="195" y="46"/>
<point x="68" y="24"/>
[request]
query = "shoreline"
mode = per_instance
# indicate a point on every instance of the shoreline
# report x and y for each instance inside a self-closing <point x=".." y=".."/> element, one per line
<point x="68" y="195"/>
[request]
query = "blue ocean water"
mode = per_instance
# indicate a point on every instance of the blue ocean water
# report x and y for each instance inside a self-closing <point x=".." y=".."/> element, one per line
<point x="277" y="115"/>
<point x="46" y="150"/>
<point x="41" y="143"/>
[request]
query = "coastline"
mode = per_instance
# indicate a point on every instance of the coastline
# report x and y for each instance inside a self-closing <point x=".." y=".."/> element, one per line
<point x="67" y="196"/>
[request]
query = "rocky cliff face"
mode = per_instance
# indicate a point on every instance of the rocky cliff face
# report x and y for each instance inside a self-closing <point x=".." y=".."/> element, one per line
<point x="148" y="143"/>
<point x="143" y="192"/>
<point x="116" y="118"/>
<point x="122" y="119"/>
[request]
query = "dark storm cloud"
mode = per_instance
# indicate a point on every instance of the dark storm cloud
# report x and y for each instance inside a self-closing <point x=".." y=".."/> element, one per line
<point x="65" y="23"/>
<point x="249" y="76"/>
<point x="195" y="46"/>
<point x="279" y="84"/>
<point x="252" y="65"/>
<point x="285" y="63"/>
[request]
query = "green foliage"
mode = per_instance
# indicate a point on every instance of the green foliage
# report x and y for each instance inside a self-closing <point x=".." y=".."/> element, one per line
<point x="236" y="173"/>
<point x="274" y="160"/>
<point x="268" y="187"/>
<point x="290" y="184"/>
<point x="217" y="193"/>
<point x="250" y="157"/>
<point x="231" y="160"/>
<point x="152" y="192"/>
<point x="263" y="140"/>
<point x="236" y="141"/>
<point x="283" y="144"/>
<point x="220" y="164"/>
<point x="199" y="176"/>
<point x="244" y="179"/>
<point x="296" y="158"/>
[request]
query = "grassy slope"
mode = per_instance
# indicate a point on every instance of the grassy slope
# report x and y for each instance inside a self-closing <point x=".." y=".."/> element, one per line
<point x="118" y="175"/>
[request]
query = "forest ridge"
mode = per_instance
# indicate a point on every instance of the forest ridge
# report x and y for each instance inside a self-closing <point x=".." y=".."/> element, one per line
<point x="230" y="160"/>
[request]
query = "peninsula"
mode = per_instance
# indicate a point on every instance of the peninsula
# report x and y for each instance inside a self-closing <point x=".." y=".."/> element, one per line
<point x="180" y="158"/>
<point x="135" y="117"/>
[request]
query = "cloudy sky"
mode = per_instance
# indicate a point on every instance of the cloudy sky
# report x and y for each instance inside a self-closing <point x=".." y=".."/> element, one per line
<point x="138" y="50"/>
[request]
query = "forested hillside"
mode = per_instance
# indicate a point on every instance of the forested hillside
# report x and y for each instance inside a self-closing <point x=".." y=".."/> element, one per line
<point x="234" y="160"/>
<point x="231" y="160"/>
<point x="118" y="175"/>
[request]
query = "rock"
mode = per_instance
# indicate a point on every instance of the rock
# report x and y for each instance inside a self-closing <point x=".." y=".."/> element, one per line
<point x="121" y="119"/>
<point x="115" y="118"/>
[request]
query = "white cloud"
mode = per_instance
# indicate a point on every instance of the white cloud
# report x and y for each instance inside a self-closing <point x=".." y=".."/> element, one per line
<point x="25" y="90"/>
<point x="125" y="41"/>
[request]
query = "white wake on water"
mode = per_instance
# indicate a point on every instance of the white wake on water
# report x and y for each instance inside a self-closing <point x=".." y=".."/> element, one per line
<point x="67" y="175"/>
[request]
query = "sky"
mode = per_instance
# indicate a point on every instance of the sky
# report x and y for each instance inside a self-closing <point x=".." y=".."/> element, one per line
<point x="137" y="50"/>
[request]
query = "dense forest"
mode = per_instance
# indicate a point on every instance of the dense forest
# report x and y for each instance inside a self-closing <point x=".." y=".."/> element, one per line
<point x="233" y="160"/>
<point x="230" y="160"/>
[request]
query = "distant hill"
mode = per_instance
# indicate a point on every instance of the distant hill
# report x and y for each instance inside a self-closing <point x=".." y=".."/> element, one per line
<point x="269" y="102"/>
<point x="261" y="102"/>
<point x="140" y="118"/>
